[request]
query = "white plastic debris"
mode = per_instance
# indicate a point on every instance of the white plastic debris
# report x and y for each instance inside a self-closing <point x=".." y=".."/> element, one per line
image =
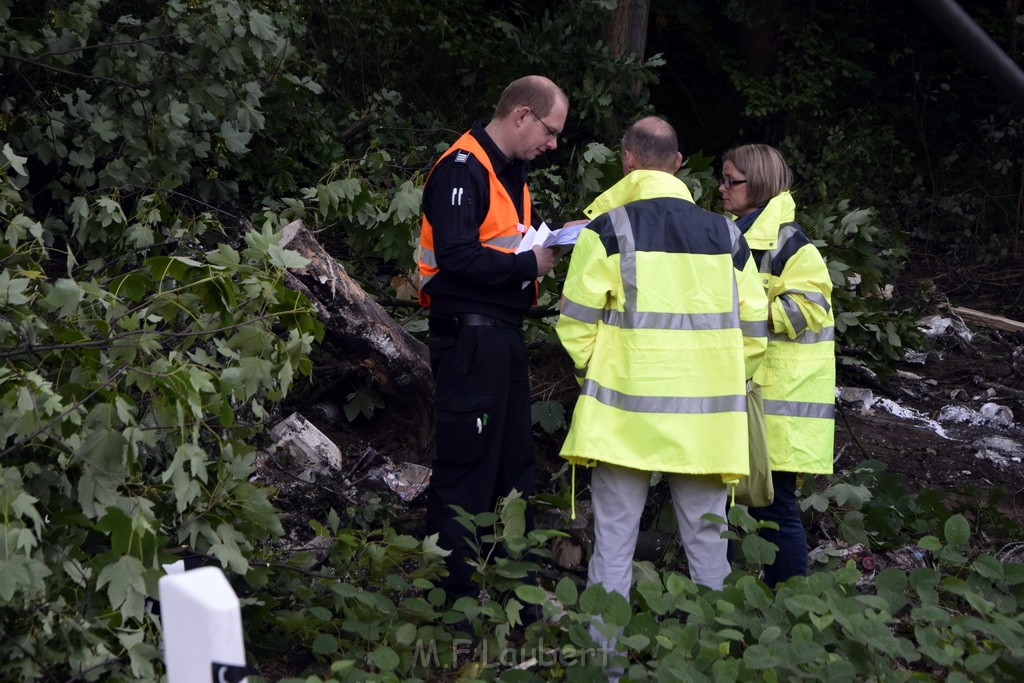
<point x="859" y="396"/>
<point x="406" y="479"/>
<point x="867" y="402"/>
<point x="915" y="357"/>
<point x="959" y="414"/>
<point x="311" y="451"/>
<point x="997" y="414"/>
<point x="999" y="449"/>
<point x="990" y="413"/>
<point x="936" y="326"/>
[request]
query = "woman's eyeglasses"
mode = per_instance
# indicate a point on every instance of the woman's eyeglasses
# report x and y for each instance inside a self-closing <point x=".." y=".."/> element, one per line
<point x="728" y="183"/>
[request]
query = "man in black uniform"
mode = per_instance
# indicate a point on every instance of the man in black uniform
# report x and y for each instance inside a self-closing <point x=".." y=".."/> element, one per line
<point x="476" y="206"/>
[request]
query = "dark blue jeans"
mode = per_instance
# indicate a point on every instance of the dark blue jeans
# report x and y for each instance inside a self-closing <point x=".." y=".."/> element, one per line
<point x="791" y="560"/>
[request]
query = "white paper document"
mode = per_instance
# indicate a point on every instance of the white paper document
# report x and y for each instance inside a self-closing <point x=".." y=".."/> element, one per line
<point x="546" y="237"/>
<point x="563" y="239"/>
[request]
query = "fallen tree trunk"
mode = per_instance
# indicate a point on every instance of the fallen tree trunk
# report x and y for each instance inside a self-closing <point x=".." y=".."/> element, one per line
<point x="368" y="340"/>
<point x="995" y="322"/>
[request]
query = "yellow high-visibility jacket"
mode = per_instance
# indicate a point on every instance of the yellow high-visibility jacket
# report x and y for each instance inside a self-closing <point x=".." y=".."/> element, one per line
<point x="665" y="320"/>
<point x="798" y="375"/>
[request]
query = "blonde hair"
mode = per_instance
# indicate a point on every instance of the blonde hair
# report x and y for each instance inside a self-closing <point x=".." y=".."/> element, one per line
<point x="766" y="171"/>
<point x="536" y="92"/>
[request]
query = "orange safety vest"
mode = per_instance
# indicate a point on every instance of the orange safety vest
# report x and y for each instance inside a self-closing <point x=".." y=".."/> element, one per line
<point x="500" y="227"/>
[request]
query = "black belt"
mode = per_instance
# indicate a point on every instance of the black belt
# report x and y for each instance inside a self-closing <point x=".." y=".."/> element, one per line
<point x="448" y="325"/>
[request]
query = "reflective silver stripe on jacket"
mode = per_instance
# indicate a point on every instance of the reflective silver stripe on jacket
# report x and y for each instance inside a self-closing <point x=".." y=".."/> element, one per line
<point x="627" y="254"/>
<point x="756" y="328"/>
<point x="645" y="320"/>
<point x="630" y="317"/>
<point x="505" y="241"/>
<point x="429" y="259"/>
<point x="800" y="409"/>
<point x="697" y="405"/>
<point x="580" y="312"/>
<point x="734" y="234"/>
<point x="793" y="312"/>
<point x="827" y="334"/>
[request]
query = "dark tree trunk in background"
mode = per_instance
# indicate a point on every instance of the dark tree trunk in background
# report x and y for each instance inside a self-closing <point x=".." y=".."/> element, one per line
<point x="761" y="39"/>
<point x="626" y="33"/>
<point x="760" y="43"/>
<point x="626" y="30"/>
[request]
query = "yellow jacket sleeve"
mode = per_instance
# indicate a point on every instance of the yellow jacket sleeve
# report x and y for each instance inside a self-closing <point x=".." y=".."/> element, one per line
<point x="801" y="297"/>
<point x="591" y="281"/>
<point x="753" y="312"/>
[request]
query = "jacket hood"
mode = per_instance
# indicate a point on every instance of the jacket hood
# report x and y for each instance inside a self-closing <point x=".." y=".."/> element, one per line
<point x="764" y="233"/>
<point x="638" y="185"/>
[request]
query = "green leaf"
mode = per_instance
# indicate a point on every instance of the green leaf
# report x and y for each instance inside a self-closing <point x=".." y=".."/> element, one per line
<point x="513" y="517"/>
<point x="550" y="415"/>
<point x="531" y="595"/>
<point x="405" y="634"/>
<point x="286" y="258"/>
<point x="566" y="591"/>
<point x="325" y="644"/>
<point x="757" y="550"/>
<point x="677" y="585"/>
<point x="119" y="525"/>
<point x="756" y="596"/>
<point x="405" y="206"/>
<point x="593" y="598"/>
<point x="384" y="658"/>
<point x="957" y="531"/>
<point x="759" y="657"/>
<point x="12" y="290"/>
<point x="104" y="128"/>
<point x="16" y="162"/>
<point x="126" y="585"/>
<point x="262" y="26"/>
<point x="235" y="140"/>
<point x="989" y="567"/>
<point x="64" y="297"/>
<point x="801" y="604"/>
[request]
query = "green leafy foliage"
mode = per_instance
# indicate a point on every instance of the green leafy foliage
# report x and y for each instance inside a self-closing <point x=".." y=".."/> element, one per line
<point x="130" y="390"/>
<point x="950" y="617"/>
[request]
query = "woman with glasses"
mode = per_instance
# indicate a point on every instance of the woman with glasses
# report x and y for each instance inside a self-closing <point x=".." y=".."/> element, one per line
<point x="798" y="373"/>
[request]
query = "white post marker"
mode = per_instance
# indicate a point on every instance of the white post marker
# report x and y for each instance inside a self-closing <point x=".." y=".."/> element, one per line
<point x="202" y="625"/>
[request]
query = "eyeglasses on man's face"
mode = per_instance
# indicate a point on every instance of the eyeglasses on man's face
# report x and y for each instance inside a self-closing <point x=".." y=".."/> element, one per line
<point x="728" y="183"/>
<point x="552" y="133"/>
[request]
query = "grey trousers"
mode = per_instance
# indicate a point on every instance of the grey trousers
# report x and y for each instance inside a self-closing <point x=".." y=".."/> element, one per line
<point x="619" y="495"/>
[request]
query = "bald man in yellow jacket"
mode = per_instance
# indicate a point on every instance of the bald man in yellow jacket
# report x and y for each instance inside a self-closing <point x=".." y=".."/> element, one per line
<point x="665" y="319"/>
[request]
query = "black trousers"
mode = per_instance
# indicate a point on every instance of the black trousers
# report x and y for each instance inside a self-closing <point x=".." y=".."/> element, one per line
<point x="484" y="435"/>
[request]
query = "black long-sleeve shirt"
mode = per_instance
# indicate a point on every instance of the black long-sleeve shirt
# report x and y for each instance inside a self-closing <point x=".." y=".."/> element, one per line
<point x="474" y="278"/>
